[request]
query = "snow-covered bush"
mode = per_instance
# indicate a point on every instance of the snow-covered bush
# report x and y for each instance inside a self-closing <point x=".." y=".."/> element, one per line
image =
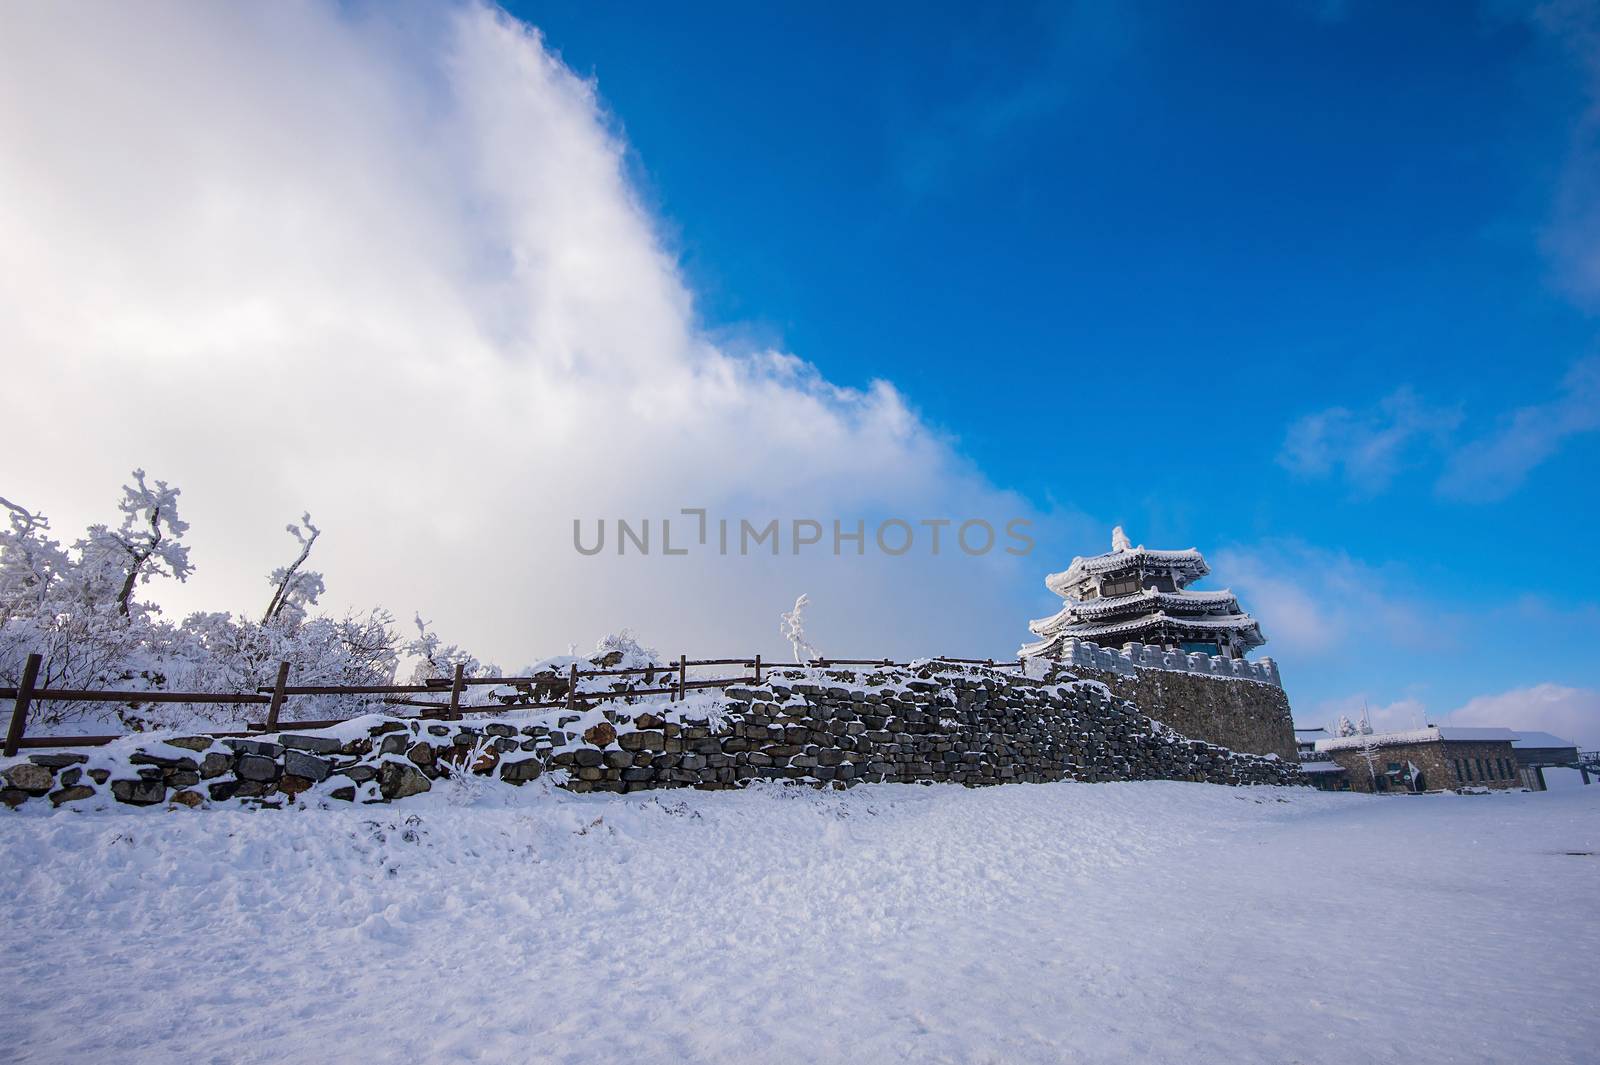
<point x="469" y="774"/>
<point x="623" y="649"/>
<point x="435" y="658"/>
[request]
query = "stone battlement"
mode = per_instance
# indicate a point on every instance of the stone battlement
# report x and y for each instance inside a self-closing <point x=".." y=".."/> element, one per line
<point x="1135" y="656"/>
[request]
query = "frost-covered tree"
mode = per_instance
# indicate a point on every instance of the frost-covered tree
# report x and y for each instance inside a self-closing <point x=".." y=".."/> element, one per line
<point x="1345" y="727"/>
<point x="143" y="547"/>
<point x="792" y="626"/>
<point x="31" y="563"/>
<point x="78" y="609"/>
<point x="1367" y="744"/>
<point x="295" y="590"/>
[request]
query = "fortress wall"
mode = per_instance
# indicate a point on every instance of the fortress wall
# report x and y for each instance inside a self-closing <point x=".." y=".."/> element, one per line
<point x="935" y="723"/>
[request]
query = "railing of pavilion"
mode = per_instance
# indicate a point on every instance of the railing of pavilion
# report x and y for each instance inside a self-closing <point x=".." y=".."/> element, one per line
<point x="276" y="696"/>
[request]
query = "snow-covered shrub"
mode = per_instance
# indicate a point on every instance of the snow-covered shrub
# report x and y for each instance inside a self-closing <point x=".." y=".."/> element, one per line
<point x="468" y="775"/>
<point x="623" y="648"/>
<point x="435" y="658"/>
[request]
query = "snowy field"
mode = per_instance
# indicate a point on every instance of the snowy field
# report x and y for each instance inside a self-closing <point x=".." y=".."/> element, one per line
<point x="1158" y="922"/>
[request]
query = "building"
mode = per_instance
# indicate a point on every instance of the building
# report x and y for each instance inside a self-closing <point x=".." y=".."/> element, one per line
<point x="1321" y="772"/>
<point x="1435" y="758"/>
<point x="1538" y="751"/>
<point x="1139" y="596"/>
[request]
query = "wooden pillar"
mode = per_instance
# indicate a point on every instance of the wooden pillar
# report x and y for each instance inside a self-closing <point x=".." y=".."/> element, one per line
<point x="683" y="676"/>
<point x="457" y="683"/>
<point x="572" y="686"/>
<point x="758" y="669"/>
<point x="277" y="696"/>
<point x="19" y="710"/>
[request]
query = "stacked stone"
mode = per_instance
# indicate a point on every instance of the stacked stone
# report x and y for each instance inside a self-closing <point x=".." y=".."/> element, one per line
<point x="973" y="727"/>
<point x="395" y="759"/>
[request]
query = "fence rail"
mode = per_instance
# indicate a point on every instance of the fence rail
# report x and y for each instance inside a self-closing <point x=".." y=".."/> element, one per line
<point x="276" y="695"/>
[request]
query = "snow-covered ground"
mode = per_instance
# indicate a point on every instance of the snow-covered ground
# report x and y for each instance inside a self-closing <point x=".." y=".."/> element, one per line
<point x="1159" y="922"/>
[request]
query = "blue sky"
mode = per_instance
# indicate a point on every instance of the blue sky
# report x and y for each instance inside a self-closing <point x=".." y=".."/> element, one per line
<point x="1121" y="251"/>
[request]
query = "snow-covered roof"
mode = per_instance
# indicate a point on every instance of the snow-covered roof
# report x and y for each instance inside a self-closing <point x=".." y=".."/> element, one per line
<point x="1300" y="730"/>
<point x="1242" y="623"/>
<point x="1540" y="739"/>
<point x="1485" y="735"/>
<point x="1188" y="564"/>
<point x="1078" y="609"/>
<point x="1431" y="734"/>
<point x="1321" y="767"/>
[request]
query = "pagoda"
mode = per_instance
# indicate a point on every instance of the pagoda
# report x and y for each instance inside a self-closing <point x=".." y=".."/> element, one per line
<point x="1138" y="595"/>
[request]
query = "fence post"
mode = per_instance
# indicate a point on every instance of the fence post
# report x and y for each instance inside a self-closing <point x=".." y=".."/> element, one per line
<point x="277" y="696"/>
<point x="455" y="692"/>
<point x="19" y="712"/>
<point x="683" y="675"/>
<point x="758" y="669"/>
<point x="572" y="686"/>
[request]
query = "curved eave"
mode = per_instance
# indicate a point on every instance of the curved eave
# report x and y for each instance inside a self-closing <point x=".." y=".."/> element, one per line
<point x="1174" y="604"/>
<point x="1242" y="625"/>
<point x="1180" y="601"/>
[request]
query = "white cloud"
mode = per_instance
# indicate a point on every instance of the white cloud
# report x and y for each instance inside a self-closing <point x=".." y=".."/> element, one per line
<point x="1315" y="603"/>
<point x="385" y="264"/>
<point x="1571" y="713"/>
<point x="1370" y="446"/>
<point x="1494" y="466"/>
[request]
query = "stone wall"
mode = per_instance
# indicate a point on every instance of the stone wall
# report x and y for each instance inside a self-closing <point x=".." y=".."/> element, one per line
<point x="1242" y="715"/>
<point x="840" y="727"/>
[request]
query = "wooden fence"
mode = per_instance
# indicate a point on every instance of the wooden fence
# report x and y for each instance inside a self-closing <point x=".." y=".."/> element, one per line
<point x="274" y="697"/>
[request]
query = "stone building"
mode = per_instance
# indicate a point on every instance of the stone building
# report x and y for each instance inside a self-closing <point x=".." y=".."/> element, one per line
<point x="1435" y="758"/>
<point x="1139" y="595"/>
